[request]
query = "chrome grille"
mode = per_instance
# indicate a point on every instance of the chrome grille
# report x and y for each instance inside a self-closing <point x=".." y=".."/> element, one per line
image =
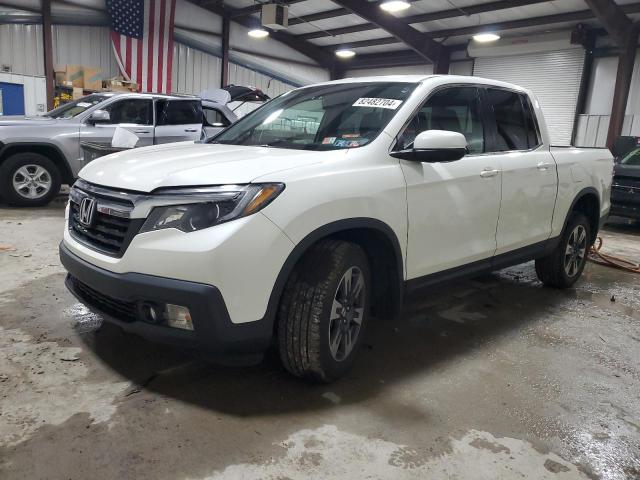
<point x="110" y="230"/>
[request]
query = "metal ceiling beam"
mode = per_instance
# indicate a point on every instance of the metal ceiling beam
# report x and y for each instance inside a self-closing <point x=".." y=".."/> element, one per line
<point x="319" y="55"/>
<point x="337" y="12"/>
<point x="414" y="39"/>
<point x="498" y="26"/>
<point x="613" y="19"/>
<point x="411" y="19"/>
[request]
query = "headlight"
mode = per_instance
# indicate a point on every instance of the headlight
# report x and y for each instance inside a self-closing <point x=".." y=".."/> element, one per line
<point x="193" y="209"/>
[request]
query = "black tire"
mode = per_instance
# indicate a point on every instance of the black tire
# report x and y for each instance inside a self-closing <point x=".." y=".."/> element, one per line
<point x="551" y="269"/>
<point x="10" y="167"/>
<point x="304" y="317"/>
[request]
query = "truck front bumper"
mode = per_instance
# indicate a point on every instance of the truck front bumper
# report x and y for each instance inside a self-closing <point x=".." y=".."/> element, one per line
<point x="120" y="298"/>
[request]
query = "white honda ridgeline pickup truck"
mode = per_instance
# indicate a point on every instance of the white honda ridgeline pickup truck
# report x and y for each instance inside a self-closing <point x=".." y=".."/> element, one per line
<point x="322" y="208"/>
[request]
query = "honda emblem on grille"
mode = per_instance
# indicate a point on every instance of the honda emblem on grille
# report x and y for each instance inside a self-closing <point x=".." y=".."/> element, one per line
<point x="87" y="207"/>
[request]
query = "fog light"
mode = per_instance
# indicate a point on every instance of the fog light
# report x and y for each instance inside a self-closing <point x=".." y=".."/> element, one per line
<point x="178" y="317"/>
<point x="151" y="313"/>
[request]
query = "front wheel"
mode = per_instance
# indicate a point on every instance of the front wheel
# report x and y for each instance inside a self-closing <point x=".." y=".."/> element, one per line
<point x="29" y="180"/>
<point x="324" y="311"/>
<point x="565" y="264"/>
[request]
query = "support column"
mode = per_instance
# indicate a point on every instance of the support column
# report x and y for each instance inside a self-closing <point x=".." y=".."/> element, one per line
<point x="47" y="39"/>
<point x="587" y="71"/>
<point x="337" y="70"/>
<point x="441" y="66"/>
<point x="224" y="77"/>
<point x="626" y="61"/>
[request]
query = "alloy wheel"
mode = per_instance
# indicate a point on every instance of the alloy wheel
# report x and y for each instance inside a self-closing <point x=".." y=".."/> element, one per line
<point x="576" y="251"/>
<point x="32" y="181"/>
<point x="347" y="313"/>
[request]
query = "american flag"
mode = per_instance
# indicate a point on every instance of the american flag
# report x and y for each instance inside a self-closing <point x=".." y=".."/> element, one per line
<point x="142" y="38"/>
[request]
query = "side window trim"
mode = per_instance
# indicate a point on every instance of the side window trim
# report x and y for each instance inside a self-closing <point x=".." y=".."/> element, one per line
<point x="531" y="116"/>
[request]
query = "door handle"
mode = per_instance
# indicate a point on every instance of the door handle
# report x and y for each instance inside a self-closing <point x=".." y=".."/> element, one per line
<point x="191" y="130"/>
<point x="141" y="131"/>
<point x="544" y="165"/>
<point x="489" y="172"/>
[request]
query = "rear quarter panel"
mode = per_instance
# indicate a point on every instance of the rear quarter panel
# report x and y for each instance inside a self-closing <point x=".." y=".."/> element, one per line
<point x="580" y="169"/>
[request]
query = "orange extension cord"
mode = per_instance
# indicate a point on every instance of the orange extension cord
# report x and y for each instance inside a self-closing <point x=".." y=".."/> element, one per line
<point x="609" y="260"/>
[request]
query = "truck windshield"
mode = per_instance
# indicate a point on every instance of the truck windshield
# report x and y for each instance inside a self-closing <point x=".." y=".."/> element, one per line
<point x="71" y="109"/>
<point x="632" y="159"/>
<point x="325" y="117"/>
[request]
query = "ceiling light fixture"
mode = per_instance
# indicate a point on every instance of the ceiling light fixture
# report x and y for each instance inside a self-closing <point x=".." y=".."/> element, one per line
<point x="486" y="37"/>
<point x="258" y="33"/>
<point x="345" y="53"/>
<point x="392" y="6"/>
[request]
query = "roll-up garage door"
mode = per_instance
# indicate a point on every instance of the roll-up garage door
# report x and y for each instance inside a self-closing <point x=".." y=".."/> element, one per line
<point x="554" y="77"/>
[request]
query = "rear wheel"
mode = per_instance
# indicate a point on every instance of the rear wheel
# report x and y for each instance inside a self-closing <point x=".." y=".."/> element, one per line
<point x="324" y="311"/>
<point x="29" y="180"/>
<point x="565" y="264"/>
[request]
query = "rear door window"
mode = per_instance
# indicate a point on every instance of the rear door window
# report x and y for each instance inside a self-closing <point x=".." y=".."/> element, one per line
<point x="515" y="124"/>
<point x="179" y="112"/>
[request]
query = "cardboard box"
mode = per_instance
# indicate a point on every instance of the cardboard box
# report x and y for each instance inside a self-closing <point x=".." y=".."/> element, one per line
<point x="77" y="93"/>
<point x="120" y="85"/>
<point x="92" y="78"/>
<point x="69" y="75"/>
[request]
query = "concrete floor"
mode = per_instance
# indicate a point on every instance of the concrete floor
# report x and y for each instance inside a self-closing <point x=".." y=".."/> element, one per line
<point x="493" y="378"/>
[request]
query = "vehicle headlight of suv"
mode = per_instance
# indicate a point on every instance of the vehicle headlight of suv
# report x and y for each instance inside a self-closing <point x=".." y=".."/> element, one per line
<point x="191" y="209"/>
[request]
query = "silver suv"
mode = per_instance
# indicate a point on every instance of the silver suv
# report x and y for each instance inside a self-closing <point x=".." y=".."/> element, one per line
<point x="38" y="154"/>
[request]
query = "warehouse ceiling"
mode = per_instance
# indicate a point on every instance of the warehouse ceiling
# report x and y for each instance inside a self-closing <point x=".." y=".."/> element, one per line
<point x="319" y="27"/>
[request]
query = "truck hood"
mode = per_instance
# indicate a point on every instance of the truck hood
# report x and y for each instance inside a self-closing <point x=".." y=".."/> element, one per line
<point x="194" y="164"/>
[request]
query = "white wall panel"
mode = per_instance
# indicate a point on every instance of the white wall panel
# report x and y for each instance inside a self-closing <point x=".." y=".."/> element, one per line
<point x="21" y="48"/>
<point x="193" y="70"/>
<point x="372" y="72"/>
<point x="84" y="45"/>
<point x="602" y="83"/>
<point x="554" y="77"/>
<point x="592" y="130"/>
<point x="461" y="68"/>
<point x="35" y="91"/>
<point x="633" y="104"/>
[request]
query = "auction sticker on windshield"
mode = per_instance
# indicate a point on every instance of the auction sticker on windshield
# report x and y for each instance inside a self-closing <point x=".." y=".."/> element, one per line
<point x="389" y="103"/>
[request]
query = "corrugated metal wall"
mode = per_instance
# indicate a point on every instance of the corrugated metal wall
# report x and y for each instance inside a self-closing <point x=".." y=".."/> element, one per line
<point x="21" y="48"/>
<point x="84" y="45"/>
<point x="591" y="130"/>
<point x="193" y="70"/>
<point x="554" y="77"/>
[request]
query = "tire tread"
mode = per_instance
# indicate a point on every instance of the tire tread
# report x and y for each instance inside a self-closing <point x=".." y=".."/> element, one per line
<point x="302" y="305"/>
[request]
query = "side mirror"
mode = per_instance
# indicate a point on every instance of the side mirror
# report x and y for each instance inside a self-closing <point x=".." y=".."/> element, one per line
<point x="435" y="146"/>
<point x="99" y="116"/>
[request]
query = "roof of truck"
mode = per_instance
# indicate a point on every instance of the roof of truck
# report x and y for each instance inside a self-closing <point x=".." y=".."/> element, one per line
<point x="422" y="78"/>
